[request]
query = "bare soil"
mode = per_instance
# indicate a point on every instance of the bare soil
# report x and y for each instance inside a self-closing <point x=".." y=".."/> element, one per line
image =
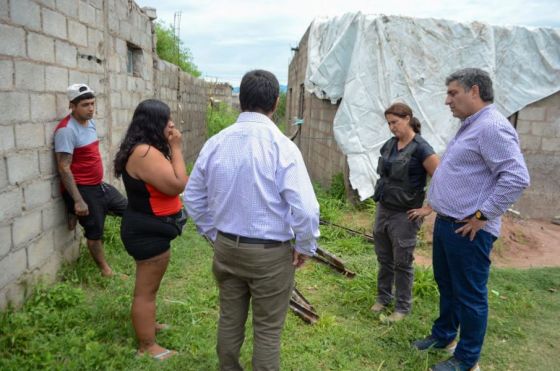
<point x="524" y="243"/>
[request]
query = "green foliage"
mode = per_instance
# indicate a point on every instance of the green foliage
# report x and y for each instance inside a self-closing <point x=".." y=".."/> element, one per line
<point x="338" y="189"/>
<point x="279" y="116"/>
<point x="83" y="323"/>
<point x="219" y="117"/>
<point x="167" y="49"/>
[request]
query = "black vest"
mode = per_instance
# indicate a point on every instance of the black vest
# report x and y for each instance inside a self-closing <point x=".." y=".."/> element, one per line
<point x="394" y="189"/>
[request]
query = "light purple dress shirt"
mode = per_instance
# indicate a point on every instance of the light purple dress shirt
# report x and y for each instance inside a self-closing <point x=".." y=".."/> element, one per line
<point x="250" y="180"/>
<point x="482" y="169"/>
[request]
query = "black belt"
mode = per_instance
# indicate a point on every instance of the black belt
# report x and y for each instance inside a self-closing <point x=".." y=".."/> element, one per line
<point x="250" y="240"/>
<point x="449" y="219"/>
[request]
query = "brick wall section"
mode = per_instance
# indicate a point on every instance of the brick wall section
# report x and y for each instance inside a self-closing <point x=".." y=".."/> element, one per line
<point x="44" y="47"/>
<point x="316" y="140"/>
<point x="538" y="126"/>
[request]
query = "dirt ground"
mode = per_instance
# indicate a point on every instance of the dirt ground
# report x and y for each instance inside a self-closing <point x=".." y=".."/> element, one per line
<point x="524" y="243"/>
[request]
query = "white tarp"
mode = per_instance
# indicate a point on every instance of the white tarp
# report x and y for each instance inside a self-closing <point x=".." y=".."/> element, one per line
<point x="372" y="61"/>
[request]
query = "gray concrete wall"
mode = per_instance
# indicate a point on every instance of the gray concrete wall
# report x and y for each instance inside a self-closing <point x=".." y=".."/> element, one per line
<point x="316" y="140"/>
<point x="538" y="126"/>
<point x="45" y="45"/>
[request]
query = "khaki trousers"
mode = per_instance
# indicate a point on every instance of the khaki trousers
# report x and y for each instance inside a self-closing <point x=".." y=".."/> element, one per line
<point x="264" y="277"/>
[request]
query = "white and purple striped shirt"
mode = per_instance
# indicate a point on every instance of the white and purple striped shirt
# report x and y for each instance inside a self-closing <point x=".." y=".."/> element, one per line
<point x="250" y="180"/>
<point x="482" y="169"/>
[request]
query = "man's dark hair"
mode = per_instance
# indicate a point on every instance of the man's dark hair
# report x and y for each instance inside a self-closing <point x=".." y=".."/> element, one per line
<point x="469" y="77"/>
<point x="82" y="97"/>
<point x="148" y="123"/>
<point x="259" y="91"/>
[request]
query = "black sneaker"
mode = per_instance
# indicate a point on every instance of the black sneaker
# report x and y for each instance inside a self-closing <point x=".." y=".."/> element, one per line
<point x="453" y="364"/>
<point x="431" y="342"/>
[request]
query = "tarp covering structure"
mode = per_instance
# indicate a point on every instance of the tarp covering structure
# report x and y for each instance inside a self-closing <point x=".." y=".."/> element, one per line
<point x="372" y="61"/>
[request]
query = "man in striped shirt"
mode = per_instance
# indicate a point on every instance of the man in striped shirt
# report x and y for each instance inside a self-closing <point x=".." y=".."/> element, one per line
<point x="481" y="173"/>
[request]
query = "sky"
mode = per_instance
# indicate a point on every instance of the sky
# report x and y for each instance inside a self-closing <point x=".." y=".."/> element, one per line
<point x="229" y="38"/>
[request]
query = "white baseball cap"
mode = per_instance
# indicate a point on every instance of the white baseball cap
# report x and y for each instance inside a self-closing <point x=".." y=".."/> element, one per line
<point x="75" y="90"/>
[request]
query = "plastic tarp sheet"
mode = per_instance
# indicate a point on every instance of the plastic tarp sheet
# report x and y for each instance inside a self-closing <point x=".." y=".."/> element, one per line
<point x="371" y="61"/>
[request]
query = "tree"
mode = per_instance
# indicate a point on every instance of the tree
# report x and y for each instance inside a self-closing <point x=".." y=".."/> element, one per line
<point x="175" y="52"/>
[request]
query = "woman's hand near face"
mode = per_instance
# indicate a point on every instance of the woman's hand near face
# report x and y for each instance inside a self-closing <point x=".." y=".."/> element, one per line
<point x="174" y="137"/>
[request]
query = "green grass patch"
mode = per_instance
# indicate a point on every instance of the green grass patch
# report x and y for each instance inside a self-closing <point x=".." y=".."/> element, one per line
<point x="83" y="322"/>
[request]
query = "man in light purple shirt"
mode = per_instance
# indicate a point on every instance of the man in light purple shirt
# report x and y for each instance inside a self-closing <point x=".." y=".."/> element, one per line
<point x="250" y="193"/>
<point x="481" y="173"/>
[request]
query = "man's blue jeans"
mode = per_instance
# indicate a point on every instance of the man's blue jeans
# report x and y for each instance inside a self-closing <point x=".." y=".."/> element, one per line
<point x="461" y="270"/>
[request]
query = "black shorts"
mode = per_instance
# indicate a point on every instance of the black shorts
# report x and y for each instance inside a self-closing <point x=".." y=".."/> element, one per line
<point x="145" y="236"/>
<point x="102" y="199"/>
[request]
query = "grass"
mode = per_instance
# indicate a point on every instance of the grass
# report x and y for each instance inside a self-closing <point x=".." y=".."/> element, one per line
<point x="83" y="321"/>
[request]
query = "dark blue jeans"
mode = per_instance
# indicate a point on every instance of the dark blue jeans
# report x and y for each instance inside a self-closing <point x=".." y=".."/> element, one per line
<point x="461" y="270"/>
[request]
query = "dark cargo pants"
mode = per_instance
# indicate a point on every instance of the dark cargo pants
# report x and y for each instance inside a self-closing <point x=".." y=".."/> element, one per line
<point x="395" y="240"/>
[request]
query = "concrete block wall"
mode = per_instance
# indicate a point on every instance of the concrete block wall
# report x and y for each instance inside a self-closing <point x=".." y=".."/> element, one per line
<point x="321" y="153"/>
<point x="44" y="47"/>
<point x="538" y="126"/>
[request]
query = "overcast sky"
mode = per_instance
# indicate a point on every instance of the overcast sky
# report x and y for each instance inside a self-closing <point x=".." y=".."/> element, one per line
<point x="229" y="38"/>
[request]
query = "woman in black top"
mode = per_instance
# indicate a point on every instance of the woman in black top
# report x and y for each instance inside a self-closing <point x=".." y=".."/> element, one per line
<point x="406" y="160"/>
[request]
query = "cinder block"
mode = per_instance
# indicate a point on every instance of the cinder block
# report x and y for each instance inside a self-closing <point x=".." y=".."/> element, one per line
<point x="43" y="107"/>
<point x="49" y="134"/>
<point x="11" y="203"/>
<point x="3" y="174"/>
<point x="37" y="193"/>
<point x="30" y="76"/>
<point x="68" y="7"/>
<point x="22" y="166"/>
<point x="29" y="135"/>
<point x="7" y="140"/>
<point x="66" y="54"/>
<point x="56" y="79"/>
<point x="54" y="215"/>
<point x="26" y="13"/>
<point x="12" y="42"/>
<point x="14" y="107"/>
<point x="543" y="129"/>
<point x="54" y="23"/>
<point x="6" y="238"/>
<point x="47" y="270"/>
<point x="87" y="13"/>
<point x="530" y="113"/>
<point x="63" y="238"/>
<point x="40" y="47"/>
<point x="4" y="10"/>
<point x="77" y="33"/>
<point x="49" y="3"/>
<point x="551" y="144"/>
<point x="95" y="40"/>
<point x="39" y="251"/>
<point x="26" y="227"/>
<point x="13" y="266"/>
<point x="6" y="74"/>
<point x="62" y="105"/>
<point x="97" y="3"/>
<point x="77" y="77"/>
<point x="101" y="128"/>
<point x="47" y="162"/>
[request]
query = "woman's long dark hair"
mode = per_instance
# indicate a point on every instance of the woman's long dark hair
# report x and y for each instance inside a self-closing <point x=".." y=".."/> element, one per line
<point x="148" y="123"/>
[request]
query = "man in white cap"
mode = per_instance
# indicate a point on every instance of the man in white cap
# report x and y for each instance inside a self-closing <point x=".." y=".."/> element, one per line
<point x="87" y="197"/>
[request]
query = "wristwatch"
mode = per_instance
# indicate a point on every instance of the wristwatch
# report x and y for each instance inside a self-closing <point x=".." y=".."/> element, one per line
<point x="479" y="215"/>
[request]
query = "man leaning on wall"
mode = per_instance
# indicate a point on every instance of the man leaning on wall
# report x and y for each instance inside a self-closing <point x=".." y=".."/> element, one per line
<point x="88" y="199"/>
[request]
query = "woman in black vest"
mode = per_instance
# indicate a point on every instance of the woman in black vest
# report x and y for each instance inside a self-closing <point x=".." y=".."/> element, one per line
<point x="406" y="160"/>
